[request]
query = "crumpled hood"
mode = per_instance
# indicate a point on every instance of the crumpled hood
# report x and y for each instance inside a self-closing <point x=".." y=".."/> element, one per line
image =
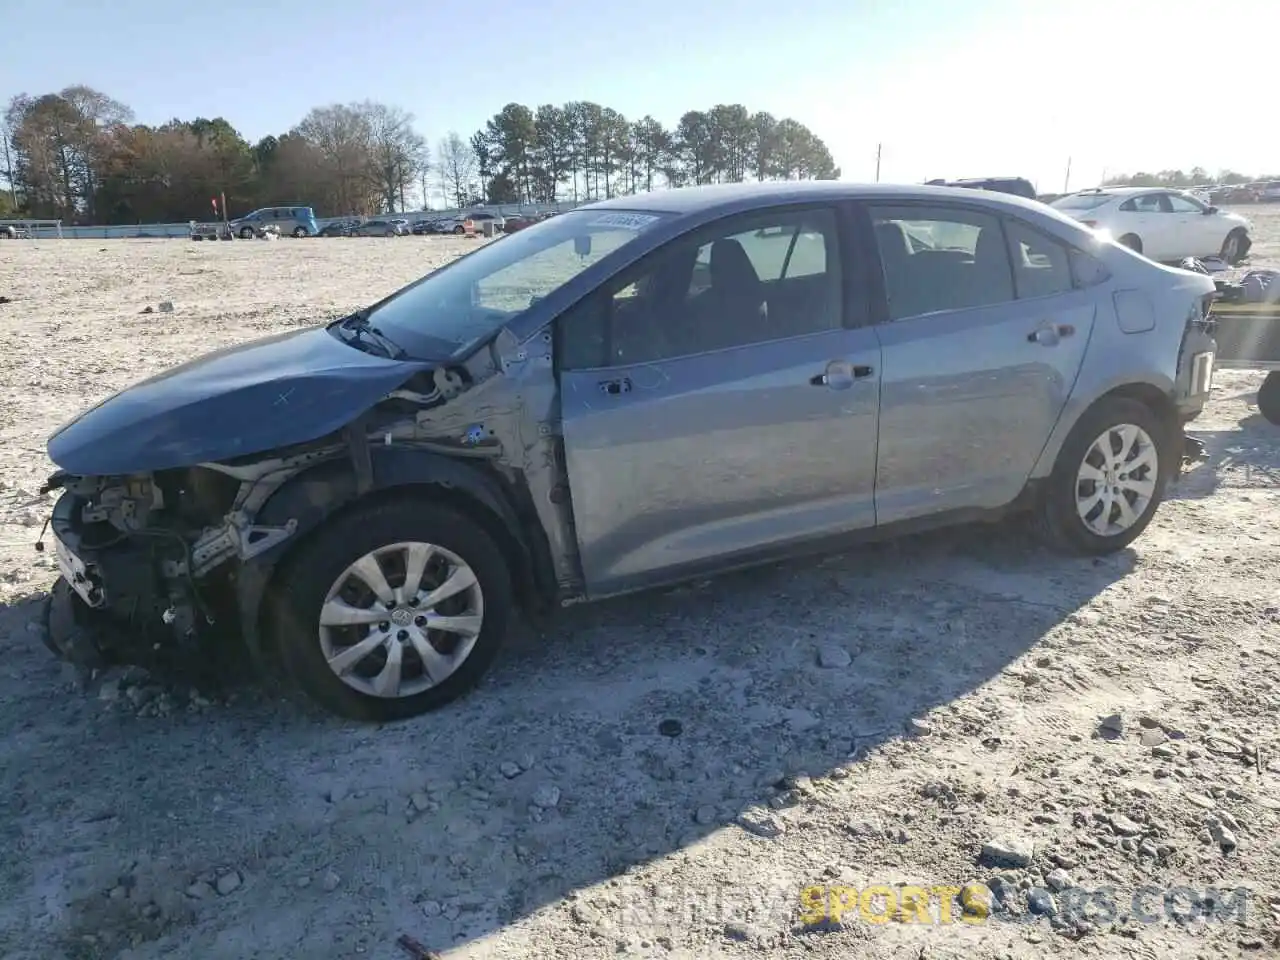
<point x="280" y="390"/>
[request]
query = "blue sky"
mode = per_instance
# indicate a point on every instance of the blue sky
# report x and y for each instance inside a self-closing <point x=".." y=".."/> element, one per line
<point x="951" y="88"/>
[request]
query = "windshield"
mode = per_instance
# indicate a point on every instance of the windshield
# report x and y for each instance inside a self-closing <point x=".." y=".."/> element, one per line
<point x="471" y="298"/>
<point x="1081" y="201"/>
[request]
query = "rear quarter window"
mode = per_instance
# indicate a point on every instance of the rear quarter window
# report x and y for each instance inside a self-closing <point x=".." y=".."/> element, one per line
<point x="1090" y="202"/>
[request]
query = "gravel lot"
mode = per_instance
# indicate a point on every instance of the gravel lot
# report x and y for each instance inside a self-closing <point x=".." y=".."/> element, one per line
<point x="660" y="776"/>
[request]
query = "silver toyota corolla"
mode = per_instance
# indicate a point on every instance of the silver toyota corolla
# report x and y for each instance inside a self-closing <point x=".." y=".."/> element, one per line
<point x="633" y="393"/>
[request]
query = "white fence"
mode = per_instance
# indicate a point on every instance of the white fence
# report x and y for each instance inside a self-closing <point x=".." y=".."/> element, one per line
<point x="33" y="228"/>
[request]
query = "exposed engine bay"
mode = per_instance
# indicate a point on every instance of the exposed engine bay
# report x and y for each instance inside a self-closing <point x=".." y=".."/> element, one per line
<point x="155" y="557"/>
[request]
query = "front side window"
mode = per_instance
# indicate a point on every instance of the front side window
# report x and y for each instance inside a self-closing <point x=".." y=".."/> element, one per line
<point x="471" y="298"/>
<point x="762" y="278"/>
<point x="1147" y="203"/>
<point x="941" y="258"/>
<point x="1181" y="204"/>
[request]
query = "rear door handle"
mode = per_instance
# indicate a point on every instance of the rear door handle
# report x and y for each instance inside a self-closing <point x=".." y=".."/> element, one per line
<point x="1049" y="334"/>
<point x="840" y="375"/>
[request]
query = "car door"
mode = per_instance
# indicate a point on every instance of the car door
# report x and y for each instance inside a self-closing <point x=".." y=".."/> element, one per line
<point x="982" y="333"/>
<point x="725" y="411"/>
<point x="1194" y="232"/>
<point x="1143" y="216"/>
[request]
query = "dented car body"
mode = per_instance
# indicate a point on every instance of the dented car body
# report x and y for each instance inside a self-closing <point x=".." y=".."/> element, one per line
<point x="627" y="395"/>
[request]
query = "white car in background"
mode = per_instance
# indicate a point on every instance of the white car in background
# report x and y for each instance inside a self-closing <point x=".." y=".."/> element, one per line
<point x="1163" y="225"/>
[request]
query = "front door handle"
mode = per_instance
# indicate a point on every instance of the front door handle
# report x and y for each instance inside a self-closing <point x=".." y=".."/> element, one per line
<point x="1048" y="334"/>
<point x="840" y="375"/>
<point x="615" y="388"/>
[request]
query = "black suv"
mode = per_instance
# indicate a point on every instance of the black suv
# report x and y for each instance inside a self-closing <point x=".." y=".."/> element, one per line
<point x="1018" y="186"/>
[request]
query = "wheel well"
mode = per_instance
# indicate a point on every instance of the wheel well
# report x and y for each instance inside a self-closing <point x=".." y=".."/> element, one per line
<point x="519" y="561"/>
<point x="1136" y="239"/>
<point x="1152" y="397"/>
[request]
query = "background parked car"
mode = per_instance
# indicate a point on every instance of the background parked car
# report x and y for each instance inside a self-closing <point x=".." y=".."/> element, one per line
<point x="1017" y="186"/>
<point x="10" y="231"/>
<point x="1162" y="224"/>
<point x="290" y="221"/>
<point x="1270" y="192"/>
<point x="339" y="228"/>
<point x="478" y="217"/>
<point x="517" y="222"/>
<point x="381" y="227"/>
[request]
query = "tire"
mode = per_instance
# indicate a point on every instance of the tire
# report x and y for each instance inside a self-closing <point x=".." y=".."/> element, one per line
<point x="389" y="233"/>
<point x="1269" y="398"/>
<point x="459" y="229"/>
<point x="1233" y="247"/>
<point x="1131" y="241"/>
<point x="1058" y="520"/>
<point x="300" y="232"/>
<point x="246" y="233"/>
<point x="322" y="569"/>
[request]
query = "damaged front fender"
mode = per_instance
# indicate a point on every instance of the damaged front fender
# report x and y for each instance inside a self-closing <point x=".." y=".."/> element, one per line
<point x="307" y="499"/>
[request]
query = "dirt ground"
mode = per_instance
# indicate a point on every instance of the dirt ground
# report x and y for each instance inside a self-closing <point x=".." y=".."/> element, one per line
<point x="661" y="776"/>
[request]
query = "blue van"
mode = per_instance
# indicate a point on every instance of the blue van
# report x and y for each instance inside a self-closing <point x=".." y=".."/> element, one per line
<point x="291" y="221"/>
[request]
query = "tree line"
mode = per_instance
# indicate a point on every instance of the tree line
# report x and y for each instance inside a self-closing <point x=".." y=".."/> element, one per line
<point x="78" y="155"/>
<point x="1179" y="179"/>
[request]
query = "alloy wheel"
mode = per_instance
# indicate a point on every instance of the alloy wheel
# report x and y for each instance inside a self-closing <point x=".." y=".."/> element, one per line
<point x="1116" y="481"/>
<point x="401" y="619"/>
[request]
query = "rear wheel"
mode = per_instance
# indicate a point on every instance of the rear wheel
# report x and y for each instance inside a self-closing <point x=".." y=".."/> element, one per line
<point x="459" y="229"/>
<point x="1131" y="241"/>
<point x="393" y="610"/>
<point x="300" y="232"/>
<point x="1269" y="398"/>
<point x="1109" y="479"/>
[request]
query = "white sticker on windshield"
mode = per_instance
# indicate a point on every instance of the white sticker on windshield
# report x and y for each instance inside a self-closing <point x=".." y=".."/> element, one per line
<point x="628" y="221"/>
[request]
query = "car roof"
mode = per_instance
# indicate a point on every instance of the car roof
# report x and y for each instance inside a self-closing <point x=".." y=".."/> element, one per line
<point x="1126" y="191"/>
<point x="730" y="197"/>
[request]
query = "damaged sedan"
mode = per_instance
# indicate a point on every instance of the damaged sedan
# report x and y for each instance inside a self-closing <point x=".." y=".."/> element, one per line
<point x="628" y="395"/>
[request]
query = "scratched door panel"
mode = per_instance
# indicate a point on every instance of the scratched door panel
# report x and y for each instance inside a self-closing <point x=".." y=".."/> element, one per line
<point x="719" y="454"/>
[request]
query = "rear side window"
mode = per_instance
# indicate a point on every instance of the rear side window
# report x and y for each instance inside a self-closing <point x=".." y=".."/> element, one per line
<point x="940" y="258"/>
<point x="1081" y="201"/>
<point x="1041" y="265"/>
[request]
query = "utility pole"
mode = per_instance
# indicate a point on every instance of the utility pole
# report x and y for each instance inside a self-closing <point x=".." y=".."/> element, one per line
<point x="1066" y="183"/>
<point x="879" y="146"/>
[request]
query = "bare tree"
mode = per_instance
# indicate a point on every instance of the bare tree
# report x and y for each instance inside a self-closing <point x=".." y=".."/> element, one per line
<point x="341" y="136"/>
<point x="396" y="151"/>
<point x="6" y="155"/>
<point x="456" y="164"/>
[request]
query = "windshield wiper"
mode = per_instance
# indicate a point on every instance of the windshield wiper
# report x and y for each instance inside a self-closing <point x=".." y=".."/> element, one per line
<point x="358" y="324"/>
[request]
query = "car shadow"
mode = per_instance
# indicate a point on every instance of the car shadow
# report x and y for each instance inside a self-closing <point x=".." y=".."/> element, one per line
<point x="1243" y="459"/>
<point x="630" y="730"/>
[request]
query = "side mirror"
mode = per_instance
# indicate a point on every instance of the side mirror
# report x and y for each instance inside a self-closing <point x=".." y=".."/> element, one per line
<point x="582" y="245"/>
<point x="1209" y="210"/>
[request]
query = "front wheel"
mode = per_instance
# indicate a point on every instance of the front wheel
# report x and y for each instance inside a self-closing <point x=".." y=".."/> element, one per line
<point x="459" y="229"/>
<point x="1269" y="398"/>
<point x="1109" y="479"/>
<point x="393" y="610"/>
<point x="246" y="233"/>
<point x="1233" y="247"/>
<point x="300" y="232"/>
